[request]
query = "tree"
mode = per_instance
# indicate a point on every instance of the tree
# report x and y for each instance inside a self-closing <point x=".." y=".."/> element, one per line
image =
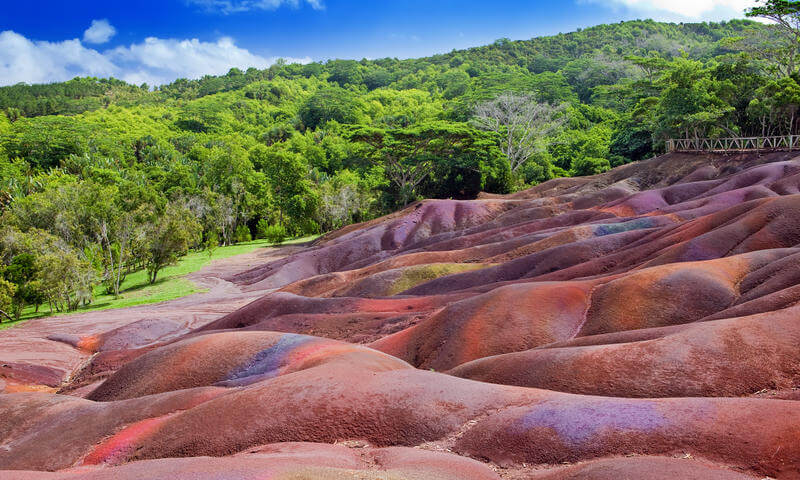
<point x="779" y="44"/>
<point x="692" y="103"/>
<point x="275" y="234"/>
<point x="118" y="237"/>
<point x="170" y="237"/>
<point x="523" y="123"/>
<point x="45" y="141"/>
<point x="86" y="213"/>
<point x="286" y="173"/>
<point x="650" y="66"/>
<point x="13" y="114"/>
<point x="585" y="74"/>
<point x="776" y="107"/>
<point x="7" y="291"/>
<point x="345" y="72"/>
<point x="631" y="141"/>
<point x="67" y="280"/>
<point x="211" y="243"/>
<point x="329" y="104"/>
<point x="786" y="15"/>
<point x="589" y="166"/>
<point x="577" y="151"/>
<point x="24" y="273"/>
<point x="243" y="234"/>
<point x="785" y="54"/>
<point x="229" y="173"/>
<point x="410" y="155"/>
<point x="45" y="269"/>
<point x="345" y="198"/>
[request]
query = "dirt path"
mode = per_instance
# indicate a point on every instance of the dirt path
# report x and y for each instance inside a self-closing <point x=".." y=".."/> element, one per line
<point x="42" y="352"/>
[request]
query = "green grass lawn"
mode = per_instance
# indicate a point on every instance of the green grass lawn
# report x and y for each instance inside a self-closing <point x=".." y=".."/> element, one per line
<point x="171" y="282"/>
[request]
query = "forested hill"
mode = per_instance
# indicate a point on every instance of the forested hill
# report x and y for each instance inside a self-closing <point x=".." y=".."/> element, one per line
<point x="101" y="174"/>
<point x="581" y="56"/>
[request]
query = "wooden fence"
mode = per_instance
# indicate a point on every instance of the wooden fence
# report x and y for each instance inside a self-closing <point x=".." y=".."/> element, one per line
<point x="738" y="144"/>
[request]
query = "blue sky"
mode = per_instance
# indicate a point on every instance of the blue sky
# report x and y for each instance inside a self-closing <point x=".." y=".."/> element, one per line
<point x="158" y="41"/>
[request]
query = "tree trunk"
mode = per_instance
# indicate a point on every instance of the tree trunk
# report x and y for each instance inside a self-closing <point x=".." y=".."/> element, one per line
<point x="9" y="317"/>
<point x="118" y="275"/>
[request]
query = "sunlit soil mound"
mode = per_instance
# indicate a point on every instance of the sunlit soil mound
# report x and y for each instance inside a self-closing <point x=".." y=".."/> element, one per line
<point x="234" y="359"/>
<point x="289" y="461"/>
<point x="727" y="357"/>
<point x="643" y="323"/>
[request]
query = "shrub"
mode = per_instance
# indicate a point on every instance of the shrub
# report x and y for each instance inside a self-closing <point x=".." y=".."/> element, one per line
<point x="242" y="234"/>
<point x="274" y="233"/>
<point x="590" y="166"/>
<point x="261" y="228"/>
<point x="212" y="242"/>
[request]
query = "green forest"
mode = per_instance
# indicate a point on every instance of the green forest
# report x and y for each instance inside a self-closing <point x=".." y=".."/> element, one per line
<point x="99" y="178"/>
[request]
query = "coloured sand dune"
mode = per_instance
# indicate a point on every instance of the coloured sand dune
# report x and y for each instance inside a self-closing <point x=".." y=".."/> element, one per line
<point x="643" y="323"/>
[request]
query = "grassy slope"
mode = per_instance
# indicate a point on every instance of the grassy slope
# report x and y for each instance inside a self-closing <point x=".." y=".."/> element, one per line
<point x="171" y="283"/>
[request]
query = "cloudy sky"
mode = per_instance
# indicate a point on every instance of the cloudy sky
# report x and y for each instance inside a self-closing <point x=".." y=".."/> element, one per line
<point x="149" y="41"/>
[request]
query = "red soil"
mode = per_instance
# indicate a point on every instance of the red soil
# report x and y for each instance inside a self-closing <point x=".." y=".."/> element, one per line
<point x="642" y="323"/>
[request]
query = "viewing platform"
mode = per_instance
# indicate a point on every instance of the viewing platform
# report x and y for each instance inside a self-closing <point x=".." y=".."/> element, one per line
<point x="734" y="144"/>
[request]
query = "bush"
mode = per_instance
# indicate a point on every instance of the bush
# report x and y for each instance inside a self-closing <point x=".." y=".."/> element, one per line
<point x="272" y="233"/>
<point x="590" y="166"/>
<point x="261" y="228"/>
<point x="7" y="292"/>
<point x="632" y="141"/>
<point x="212" y="242"/>
<point x="242" y="234"/>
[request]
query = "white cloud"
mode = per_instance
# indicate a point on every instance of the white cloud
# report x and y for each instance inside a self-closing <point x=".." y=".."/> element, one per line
<point x="155" y="61"/>
<point x="235" y="6"/>
<point x="22" y="60"/>
<point x="99" y="32"/>
<point x="685" y="9"/>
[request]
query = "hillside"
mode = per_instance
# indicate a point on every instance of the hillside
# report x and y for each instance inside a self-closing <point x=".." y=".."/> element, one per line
<point x="640" y="323"/>
<point x="569" y="51"/>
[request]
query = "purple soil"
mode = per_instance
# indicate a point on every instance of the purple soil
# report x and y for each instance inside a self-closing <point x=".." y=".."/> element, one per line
<point x="657" y="468"/>
<point x="641" y="323"/>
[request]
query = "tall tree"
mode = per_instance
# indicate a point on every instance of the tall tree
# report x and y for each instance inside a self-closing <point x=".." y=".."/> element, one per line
<point x="23" y="273"/>
<point x="169" y="237"/>
<point x="286" y="172"/>
<point x="410" y="155"/>
<point x="7" y="291"/>
<point x="776" y="106"/>
<point x="523" y="122"/>
<point x="786" y="15"/>
<point x="692" y="103"/>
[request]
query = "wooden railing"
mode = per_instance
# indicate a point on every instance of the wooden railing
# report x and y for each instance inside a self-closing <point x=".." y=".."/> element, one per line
<point x="734" y="144"/>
